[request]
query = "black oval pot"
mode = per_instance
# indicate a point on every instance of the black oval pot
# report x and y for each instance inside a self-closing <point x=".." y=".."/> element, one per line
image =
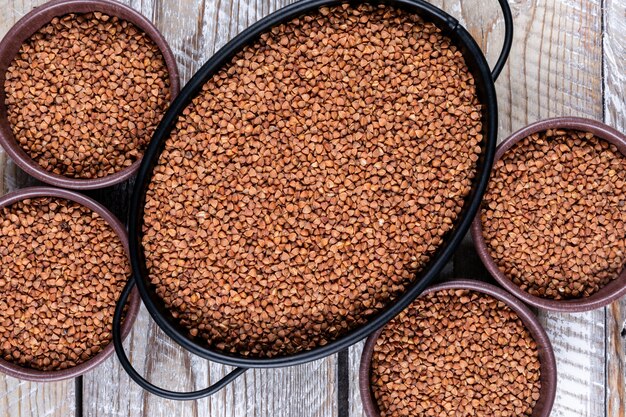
<point x="484" y="79"/>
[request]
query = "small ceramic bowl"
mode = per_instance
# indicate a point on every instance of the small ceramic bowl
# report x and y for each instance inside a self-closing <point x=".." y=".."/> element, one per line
<point x="607" y="294"/>
<point x="29" y="374"/>
<point x="22" y="31"/>
<point x="542" y="408"/>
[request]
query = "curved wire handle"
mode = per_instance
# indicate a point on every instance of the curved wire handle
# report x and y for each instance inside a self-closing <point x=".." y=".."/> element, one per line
<point x="508" y="39"/>
<point x="144" y="383"/>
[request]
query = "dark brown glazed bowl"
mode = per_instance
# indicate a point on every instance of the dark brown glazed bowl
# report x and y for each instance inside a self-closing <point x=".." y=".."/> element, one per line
<point x="607" y="294"/>
<point x="133" y="305"/>
<point x="542" y="408"/>
<point x="24" y="29"/>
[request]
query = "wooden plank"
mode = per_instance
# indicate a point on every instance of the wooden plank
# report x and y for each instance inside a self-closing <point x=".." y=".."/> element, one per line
<point x="356" y="406"/>
<point x="578" y="342"/>
<point x="25" y="399"/>
<point x="555" y="64"/>
<point x="22" y="398"/>
<point x="614" y="45"/>
<point x="194" y="32"/>
<point x="615" y="115"/>
<point x="305" y="390"/>
<point x="615" y="362"/>
<point x="555" y="69"/>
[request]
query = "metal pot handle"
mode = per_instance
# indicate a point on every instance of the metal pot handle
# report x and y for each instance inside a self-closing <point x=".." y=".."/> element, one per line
<point x="141" y="381"/>
<point x="508" y="39"/>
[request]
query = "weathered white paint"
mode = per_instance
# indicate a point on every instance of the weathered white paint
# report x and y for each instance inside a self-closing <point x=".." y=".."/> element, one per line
<point x="579" y="346"/>
<point x="26" y="399"/>
<point x="614" y="41"/>
<point x="356" y="406"/>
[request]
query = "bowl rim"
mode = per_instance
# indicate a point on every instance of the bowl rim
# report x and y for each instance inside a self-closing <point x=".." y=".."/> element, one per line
<point x="547" y="359"/>
<point x="36" y="375"/>
<point x="23" y="30"/>
<point x="607" y="294"/>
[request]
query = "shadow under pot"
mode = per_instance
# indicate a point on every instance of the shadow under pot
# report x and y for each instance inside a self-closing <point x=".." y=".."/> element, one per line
<point x="83" y="85"/>
<point x="63" y="263"/>
<point x="464" y="345"/>
<point x="551" y="225"/>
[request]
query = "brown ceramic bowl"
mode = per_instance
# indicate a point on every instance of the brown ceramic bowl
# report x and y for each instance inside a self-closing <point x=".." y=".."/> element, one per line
<point x="23" y="30"/>
<point x="610" y="292"/>
<point x="546" y="354"/>
<point x="133" y="305"/>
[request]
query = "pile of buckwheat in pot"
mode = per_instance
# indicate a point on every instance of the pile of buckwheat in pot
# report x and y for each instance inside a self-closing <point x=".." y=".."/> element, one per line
<point x="554" y="215"/>
<point x="310" y="179"/>
<point x="456" y="352"/>
<point x="62" y="269"/>
<point x="84" y="94"/>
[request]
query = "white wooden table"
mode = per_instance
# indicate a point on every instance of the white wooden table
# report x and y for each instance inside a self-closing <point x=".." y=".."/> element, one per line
<point x="568" y="58"/>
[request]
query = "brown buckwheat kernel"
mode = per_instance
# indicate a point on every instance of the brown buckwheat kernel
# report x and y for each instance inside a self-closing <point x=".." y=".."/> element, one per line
<point x="456" y="353"/>
<point x="85" y="93"/>
<point x="554" y="216"/>
<point x="62" y="269"/>
<point x="310" y="179"/>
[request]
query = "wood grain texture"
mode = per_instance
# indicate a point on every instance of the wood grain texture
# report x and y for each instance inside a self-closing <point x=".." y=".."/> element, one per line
<point x="26" y="399"/>
<point x="615" y="359"/>
<point x="579" y="342"/>
<point x="108" y="391"/>
<point x="22" y="398"/>
<point x="614" y="42"/>
<point x="355" y="404"/>
<point x="195" y="30"/>
<point x="555" y="64"/>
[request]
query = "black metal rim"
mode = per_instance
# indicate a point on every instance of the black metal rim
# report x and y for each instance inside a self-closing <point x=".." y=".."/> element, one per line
<point x="484" y="80"/>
